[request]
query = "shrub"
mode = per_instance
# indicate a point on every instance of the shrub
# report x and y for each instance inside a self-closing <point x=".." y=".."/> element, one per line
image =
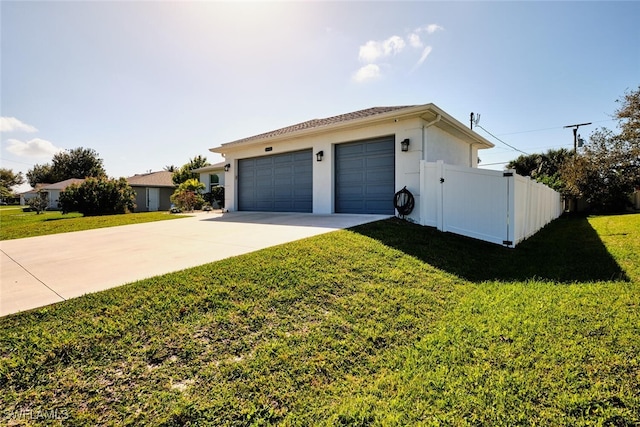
<point x="98" y="196"/>
<point x="187" y="200"/>
<point x="215" y="196"/>
<point x="187" y="196"/>
<point x="38" y="203"/>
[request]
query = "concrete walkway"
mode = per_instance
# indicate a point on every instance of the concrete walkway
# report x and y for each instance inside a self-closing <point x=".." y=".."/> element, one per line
<point x="39" y="271"/>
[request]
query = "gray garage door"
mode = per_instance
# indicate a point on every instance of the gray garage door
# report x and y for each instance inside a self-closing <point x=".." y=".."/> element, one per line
<point x="277" y="183"/>
<point x="365" y="176"/>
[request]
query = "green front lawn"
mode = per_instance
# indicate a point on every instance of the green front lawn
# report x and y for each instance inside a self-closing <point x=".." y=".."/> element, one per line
<point x="16" y="224"/>
<point x="385" y="324"/>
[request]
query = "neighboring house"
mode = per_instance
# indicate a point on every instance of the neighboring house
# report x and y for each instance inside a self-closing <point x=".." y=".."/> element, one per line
<point x="211" y="176"/>
<point x="53" y="191"/>
<point x="351" y="163"/>
<point x="27" y="195"/>
<point x="153" y="190"/>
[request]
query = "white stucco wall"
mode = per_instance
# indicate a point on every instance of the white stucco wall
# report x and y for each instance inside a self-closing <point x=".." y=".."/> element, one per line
<point x="454" y="151"/>
<point x="205" y="178"/>
<point x="26" y="197"/>
<point x="437" y="144"/>
<point x="53" y="196"/>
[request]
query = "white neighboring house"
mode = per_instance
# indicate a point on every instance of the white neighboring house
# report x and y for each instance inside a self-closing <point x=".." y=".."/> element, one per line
<point x="351" y="163"/>
<point x="211" y="176"/>
<point x="28" y="195"/>
<point x="53" y="191"/>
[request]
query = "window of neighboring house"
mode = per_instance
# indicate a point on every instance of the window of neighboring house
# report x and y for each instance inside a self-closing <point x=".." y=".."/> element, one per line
<point x="214" y="181"/>
<point x="147" y="197"/>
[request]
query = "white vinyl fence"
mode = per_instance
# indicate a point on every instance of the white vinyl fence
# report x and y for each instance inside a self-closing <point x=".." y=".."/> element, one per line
<point x="498" y="207"/>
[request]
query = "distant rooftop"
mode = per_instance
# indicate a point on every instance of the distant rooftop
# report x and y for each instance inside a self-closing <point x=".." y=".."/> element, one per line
<point x="152" y="179"/>
<point x="62" y="184"/>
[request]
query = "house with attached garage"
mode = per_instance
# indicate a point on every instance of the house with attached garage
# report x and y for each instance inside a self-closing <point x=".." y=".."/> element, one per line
<point x="360" y="162"/>
<point x="351" y="163"/>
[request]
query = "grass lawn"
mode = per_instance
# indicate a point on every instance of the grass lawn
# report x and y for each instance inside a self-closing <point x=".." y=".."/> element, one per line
<point x="16" y="224"/>
<point x="385" y="324"/>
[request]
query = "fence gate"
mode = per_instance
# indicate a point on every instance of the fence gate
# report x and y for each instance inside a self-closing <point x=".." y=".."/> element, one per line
<point x="494" y="206"/>
<point x="475" y="203"/>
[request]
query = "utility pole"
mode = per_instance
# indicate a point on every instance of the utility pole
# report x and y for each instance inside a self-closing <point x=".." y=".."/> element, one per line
<point x="474" y="119"/>
<point x="574" y="199"/>
<point x="575" y="135"/>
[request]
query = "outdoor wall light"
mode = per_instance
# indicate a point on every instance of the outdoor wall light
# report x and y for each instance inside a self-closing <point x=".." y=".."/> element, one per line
<point x="227" y="167"/>
<point x="404" y="145"/>
<point x="319" y="155"/>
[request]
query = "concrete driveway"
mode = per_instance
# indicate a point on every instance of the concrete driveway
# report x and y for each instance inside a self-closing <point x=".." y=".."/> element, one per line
<point x="39" y="271"/>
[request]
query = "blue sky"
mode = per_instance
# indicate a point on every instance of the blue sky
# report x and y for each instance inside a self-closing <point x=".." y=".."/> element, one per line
<point x="150" y="84"/>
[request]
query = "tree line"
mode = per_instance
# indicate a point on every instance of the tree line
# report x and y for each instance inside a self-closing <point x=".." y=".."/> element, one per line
<point x="98" y="194"/>
<point x="604" y="172"/>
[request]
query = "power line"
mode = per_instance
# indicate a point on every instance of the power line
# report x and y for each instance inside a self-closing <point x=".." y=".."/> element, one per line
<point x="543" y="129"/>
<point x="15" y="161"/>
<point x="492" y="164"/>
<point x="508" y="145"/>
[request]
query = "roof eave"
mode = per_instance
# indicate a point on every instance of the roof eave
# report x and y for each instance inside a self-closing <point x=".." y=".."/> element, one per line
<point x="355" y="123"/>
<point x="462" y="129"/>
<point x="415" y="111"/>
<point x="210" y="168"/>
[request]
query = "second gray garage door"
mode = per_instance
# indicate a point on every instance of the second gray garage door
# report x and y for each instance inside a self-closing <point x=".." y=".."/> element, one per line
<point x="277" y="183"/>
<point x="365" y="176"/>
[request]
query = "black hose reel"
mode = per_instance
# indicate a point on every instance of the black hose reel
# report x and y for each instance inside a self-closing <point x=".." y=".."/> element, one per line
<point x="404" y="202"/>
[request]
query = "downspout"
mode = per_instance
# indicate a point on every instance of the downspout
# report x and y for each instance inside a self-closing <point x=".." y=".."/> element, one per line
<point x="471" y="154"/>
<point x="424" y="141"/>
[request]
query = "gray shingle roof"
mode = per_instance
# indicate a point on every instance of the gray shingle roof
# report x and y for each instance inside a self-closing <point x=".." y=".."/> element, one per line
<point x="152" y="179"/>
<point x="63" y="184"/>
<point x="316" y="123"/>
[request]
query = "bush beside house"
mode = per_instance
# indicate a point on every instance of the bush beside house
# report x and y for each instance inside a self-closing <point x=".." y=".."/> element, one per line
<point x="98" y="196"/>
<point x="187" y="196"/>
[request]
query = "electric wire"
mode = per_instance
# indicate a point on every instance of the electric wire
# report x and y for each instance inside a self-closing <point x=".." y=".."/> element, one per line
<point x="508" y="145"/>
<point x="16" y="161"/>
<point x="543" y="129"/>
<point x="492" y="164"/>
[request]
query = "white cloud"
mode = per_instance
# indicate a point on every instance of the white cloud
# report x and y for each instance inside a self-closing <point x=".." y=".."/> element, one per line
<point x="414" y="40"/>
<point x="11" y="124"/>
<point x="432" y="28"/>
<point x="370" y="51"/>
<point x="373" y="50"/>
<point x="427" y="50"/>
<point x="34" y="148"/>
<point x="393" y="45"/>
<point x="366" y="73"/>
